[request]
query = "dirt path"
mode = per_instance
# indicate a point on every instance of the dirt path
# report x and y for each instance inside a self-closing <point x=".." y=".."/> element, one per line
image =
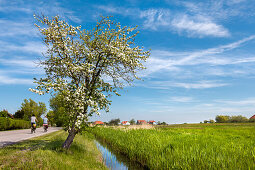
<point x="13" y="136"/>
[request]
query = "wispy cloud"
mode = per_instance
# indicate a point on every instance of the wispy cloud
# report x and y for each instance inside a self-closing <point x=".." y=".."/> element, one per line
<point x="200" y="85"/>
<point x="220" y="9"/>
<point x="194" y="26"/>
<point x="198" y="26"/>
<point x="49" y="9"/>
<point x="156" y="19"/>
<point x="182" y="99"/>
<point x="7" y="9"/>
<point x="213" y="51"/>
<point x="241" y="102"/>
<point x="19" y="62"/>
<point x="4" y="80"/>
<point x="187" y="85"/>
<point x="54" y="8"/>
<point x="184" y="68"/>
<point x="174" y="61"/>
<point x="16" y="28"/>
<point x="27" y="47"/>
<point x="13" y="6"/>
<point x="194" y="19"/>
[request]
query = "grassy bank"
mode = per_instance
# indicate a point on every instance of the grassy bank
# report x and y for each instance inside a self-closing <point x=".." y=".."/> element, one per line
<point x="45" y="152"/>
<point x="219" y="146"/>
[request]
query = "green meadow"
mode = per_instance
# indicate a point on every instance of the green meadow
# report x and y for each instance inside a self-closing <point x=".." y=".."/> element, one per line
<point x="45" y="152"/>
<point x="188" y="146"/>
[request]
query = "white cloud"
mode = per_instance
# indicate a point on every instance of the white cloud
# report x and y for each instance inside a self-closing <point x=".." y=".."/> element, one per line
<point x="17" y="28"/>
<point x="175" y="61"/>
<point x="156" y="19"/>
<point x="193" y="25"/>
<point x="187" y="85"/>
<point x="28" y="47"/>
<point x="11" y="6"/>
<point x="213" y="51"/>
<point x="200" y="85"/>
<point x="198" y="26"/>
<point x="8" y="9"/>
<point x="241" y="102"/>
<point x="182" y="99"/>
<point x="19" y="62"/>
<point x="155" y="64"/>
<point x="4" y="80"/>
<point x="54" y="8"/>
<point x="220" y="10"/>
<point x="235" y="1"/>
<point x="39" y="7"/>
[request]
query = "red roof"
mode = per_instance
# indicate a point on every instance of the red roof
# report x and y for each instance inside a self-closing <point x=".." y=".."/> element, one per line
<point x="253" y="117"/>
<point x="98" y="123"/>
<point x="152" y="121"/>
<point x="140" y="121"/>
<point x="124" y="122"/>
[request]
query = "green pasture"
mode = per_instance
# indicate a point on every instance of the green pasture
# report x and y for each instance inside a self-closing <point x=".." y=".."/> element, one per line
<point x="45" y="152"/>
<point x="195" y="146"/>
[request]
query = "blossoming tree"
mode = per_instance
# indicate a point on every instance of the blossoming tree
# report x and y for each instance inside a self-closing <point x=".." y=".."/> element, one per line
<point x="87" y="66"/>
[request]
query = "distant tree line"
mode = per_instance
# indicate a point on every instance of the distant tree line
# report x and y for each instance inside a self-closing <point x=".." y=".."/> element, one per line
<point x="208" y="121"/>
<point x="161" y="123"/>
<point x="232" y="119"/>
<point x="229" y="119"/>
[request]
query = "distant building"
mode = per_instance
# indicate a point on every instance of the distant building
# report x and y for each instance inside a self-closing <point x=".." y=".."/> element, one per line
<point x="152" y="122"/>
<point x="141" y="122"/>
<point x="98" y="123"/>
<point x="125" y="123"/>
<point x="253" y="117"/>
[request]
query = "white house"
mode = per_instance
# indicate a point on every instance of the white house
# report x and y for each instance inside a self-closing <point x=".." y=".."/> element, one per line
<point x="125" y="123"/>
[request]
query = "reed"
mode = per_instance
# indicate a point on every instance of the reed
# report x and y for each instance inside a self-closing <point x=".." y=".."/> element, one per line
<point x="218" y="146"/>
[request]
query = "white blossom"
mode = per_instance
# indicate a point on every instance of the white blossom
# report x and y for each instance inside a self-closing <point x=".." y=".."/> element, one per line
<point x="77" y="62"/>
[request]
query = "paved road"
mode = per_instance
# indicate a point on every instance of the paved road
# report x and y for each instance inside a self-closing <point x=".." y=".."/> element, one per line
<point x="13" y="136"/>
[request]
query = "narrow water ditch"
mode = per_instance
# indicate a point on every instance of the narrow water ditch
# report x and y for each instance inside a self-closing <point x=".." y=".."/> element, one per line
<point x="116" y="161"/>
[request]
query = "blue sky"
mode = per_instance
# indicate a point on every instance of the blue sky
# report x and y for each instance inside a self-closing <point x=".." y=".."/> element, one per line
<point x="202" y="59"/>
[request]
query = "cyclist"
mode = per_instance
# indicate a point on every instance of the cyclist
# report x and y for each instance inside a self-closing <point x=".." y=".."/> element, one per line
<point x="33" y="123"/>
<point x="45" y="123"/>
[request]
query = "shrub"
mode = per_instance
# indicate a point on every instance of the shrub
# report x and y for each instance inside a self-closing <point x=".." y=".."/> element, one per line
<point x="238" y="119"/>
<point x="9" y="124"/>
<point x="5" y="113"/>
<point x="211" y="121"/>
<point x="222" y="119"/>
<point x="251" y="120"/>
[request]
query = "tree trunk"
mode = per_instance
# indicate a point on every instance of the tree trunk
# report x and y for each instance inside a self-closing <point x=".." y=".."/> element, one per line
<point x="69" y="139"/>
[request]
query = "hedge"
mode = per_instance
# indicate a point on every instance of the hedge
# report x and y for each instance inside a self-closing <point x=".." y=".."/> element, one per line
<point x="9" y="124"/>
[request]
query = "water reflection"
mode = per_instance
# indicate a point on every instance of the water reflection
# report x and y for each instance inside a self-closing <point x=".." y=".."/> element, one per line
<point x="116" y="161"/>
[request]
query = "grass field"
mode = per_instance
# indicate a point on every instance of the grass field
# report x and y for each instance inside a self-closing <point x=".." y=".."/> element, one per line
<point x="45" y="152"/>
<point x="195" y="146"/>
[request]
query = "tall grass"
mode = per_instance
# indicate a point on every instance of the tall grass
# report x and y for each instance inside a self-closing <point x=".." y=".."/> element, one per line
<point x="186" y="147"/>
